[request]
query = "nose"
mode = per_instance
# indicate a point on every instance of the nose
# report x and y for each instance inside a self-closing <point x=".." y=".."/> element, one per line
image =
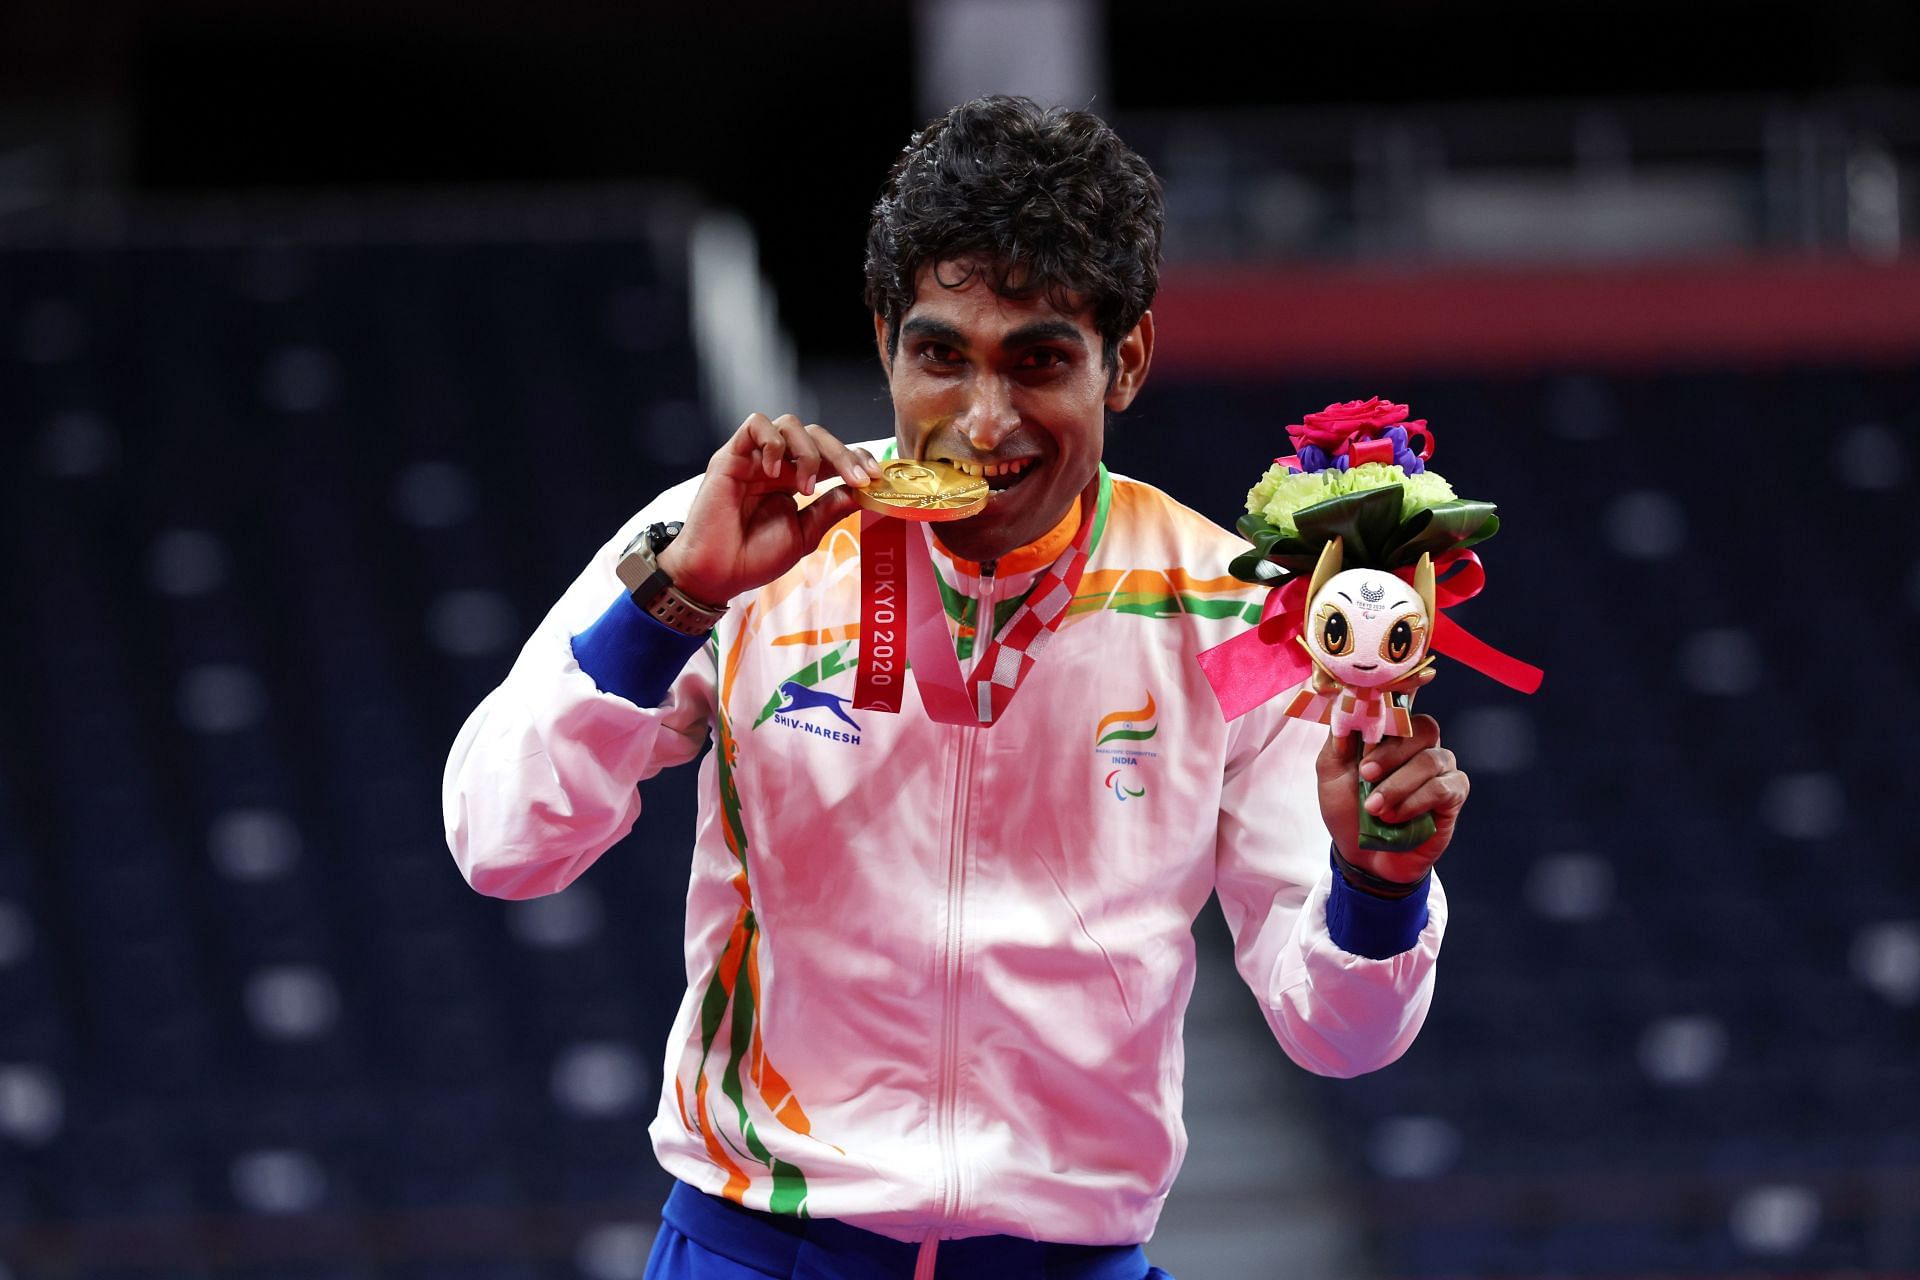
<point x="989" y="416"/>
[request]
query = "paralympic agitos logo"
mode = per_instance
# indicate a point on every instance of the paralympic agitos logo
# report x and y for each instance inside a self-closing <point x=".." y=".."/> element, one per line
<point x="1128" y="728"/>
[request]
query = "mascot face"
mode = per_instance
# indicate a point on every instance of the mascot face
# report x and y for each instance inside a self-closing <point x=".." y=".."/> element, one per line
<point x="1368" y="627"/>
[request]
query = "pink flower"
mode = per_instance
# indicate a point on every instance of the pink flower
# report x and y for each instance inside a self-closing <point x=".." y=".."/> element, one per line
<point x="1336" y="424"/>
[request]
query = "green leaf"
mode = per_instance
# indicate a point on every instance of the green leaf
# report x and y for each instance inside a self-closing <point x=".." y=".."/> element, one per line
<point x="1364" y="521"/>
<point x="1440" y="528"/>
<point x="1251" y="566"/>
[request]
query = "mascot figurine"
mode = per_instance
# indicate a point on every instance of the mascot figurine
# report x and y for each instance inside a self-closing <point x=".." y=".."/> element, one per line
<point x="1367" y="633"/>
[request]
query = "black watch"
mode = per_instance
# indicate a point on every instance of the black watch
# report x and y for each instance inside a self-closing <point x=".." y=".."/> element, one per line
<point x="640" y="573"/>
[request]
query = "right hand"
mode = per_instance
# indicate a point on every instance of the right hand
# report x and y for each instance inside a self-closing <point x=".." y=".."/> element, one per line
<point x="746" y="526"/>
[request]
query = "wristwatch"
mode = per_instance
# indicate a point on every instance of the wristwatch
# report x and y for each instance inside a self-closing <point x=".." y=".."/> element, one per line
<point x="653" y="590"/>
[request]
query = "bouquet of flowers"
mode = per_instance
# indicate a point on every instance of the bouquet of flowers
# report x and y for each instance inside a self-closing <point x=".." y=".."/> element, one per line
<point x="1364" y="548"/>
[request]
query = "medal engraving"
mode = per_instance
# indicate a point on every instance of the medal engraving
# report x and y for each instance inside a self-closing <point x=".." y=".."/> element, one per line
<point x="923" y="491"/>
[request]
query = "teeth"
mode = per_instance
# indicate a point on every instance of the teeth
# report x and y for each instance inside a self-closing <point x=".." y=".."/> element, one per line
<point x="988" y="469"/>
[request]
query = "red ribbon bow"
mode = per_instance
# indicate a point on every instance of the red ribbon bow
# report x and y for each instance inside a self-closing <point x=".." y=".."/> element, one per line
<point x="1262" y="663"/>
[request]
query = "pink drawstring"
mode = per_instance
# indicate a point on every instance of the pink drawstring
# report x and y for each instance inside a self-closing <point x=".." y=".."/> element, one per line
<point x="923" y="1264"/>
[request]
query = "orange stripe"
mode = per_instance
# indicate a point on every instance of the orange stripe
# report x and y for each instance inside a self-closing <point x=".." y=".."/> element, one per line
<point x="773" y="1086"/>
<point x="737" y="1182"/>
<point x="733" y="654"/>
<point x="756" y="1053"/>
<point x="826" y="635"/>
<point x="729" y="970"/>
<point x="1119" y="717"/>
<point x="795" y="1119"/>
<point x="730" y="958"/>
<point x="1159" y="582"/>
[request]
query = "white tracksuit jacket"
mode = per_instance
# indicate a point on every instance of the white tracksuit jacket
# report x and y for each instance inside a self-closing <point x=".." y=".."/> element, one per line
<point x="936" y="975"/>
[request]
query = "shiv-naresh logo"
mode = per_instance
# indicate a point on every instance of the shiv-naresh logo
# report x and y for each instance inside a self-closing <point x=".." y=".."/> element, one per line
<point x="796" y="699"/>
<point x="1127" y="728"/>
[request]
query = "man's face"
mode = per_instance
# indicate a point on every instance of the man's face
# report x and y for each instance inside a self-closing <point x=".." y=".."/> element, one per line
<point x="1015" y="389"/>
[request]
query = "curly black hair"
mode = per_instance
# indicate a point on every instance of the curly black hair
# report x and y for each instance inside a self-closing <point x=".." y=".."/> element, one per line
<point x="1043" y="199"/>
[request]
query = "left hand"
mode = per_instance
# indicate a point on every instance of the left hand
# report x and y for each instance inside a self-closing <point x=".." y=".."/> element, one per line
<point x="1410" y="776"/>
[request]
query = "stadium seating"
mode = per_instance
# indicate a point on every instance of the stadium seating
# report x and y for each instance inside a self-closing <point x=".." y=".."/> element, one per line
<point x="280" y="514"/>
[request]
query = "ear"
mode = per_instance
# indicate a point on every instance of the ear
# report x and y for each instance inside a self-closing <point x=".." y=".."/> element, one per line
<point x="880" y="342"/>
<point x="1423" y="583"/>
<point x="1131" y="361"/>
<point x="1329" y="565"/>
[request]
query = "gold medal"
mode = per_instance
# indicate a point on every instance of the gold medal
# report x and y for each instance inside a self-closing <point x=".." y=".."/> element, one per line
<point x="923" y="491"/>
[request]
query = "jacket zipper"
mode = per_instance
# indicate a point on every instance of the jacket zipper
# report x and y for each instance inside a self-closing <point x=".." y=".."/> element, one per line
<point x="956" y="888"/>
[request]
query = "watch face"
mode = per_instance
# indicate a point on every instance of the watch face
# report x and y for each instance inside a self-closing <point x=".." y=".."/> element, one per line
<point x="637" y="562"/>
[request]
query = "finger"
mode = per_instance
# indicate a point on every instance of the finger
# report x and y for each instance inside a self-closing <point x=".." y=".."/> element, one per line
<point x="1388" y="754"/>
<point x="763" y="441"/>
<point x="1408" y="778"/>
<point x="1440" y="794"/>
<point x="1337" y="755"/>
<point x="799" y="445"/>
<point x="740" y="455"/>
<point x="838" y="456"/>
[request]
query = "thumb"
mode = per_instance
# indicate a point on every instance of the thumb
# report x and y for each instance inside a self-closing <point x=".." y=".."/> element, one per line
<point x="1337" y="765"/>
<point x="1339" y="756"/>
<point x="825" y="511"/>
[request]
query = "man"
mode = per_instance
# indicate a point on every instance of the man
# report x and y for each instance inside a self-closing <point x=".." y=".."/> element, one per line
<point x="936" y="971"/>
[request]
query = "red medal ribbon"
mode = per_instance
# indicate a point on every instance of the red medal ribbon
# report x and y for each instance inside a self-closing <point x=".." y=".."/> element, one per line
<point x="1263" y="663"/>
<point x="1000" y="668"/>
<point x="881" y="678"/>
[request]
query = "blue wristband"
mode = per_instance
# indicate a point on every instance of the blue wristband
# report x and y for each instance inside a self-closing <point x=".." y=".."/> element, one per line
<point x="629" y="652"/>
<point x="1376" y="928"/>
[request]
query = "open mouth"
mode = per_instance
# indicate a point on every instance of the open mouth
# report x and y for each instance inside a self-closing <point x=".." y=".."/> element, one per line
<point x="999" y="475"/>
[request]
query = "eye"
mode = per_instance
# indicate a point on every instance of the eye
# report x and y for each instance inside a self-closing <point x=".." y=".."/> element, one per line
<point x="1398" y="642"/>
<point x="1336" y="637"/>
<point x="1043" y="358"/>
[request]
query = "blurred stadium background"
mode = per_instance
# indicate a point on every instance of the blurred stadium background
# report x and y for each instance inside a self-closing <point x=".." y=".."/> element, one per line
<point x="334" y="338"/>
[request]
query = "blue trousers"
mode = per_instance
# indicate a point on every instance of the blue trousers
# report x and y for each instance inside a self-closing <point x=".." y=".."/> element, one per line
<point x="703" y="1237"/>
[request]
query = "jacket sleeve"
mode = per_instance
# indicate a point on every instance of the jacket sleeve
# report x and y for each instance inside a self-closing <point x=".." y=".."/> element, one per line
<point x="1335" y="1012"/>
<point x="543" y="777"/>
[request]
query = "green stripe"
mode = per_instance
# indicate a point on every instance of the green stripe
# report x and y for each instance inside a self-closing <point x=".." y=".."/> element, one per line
<point x="1166" y="606"/>
<point x="730" y="792"/>
<point x="830" y="664"/>
<point x="713" y="1001"/>
<point x="789" y="1184"/>
<point x="1136" y="735"/>
<point x="1101" y="505"/>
